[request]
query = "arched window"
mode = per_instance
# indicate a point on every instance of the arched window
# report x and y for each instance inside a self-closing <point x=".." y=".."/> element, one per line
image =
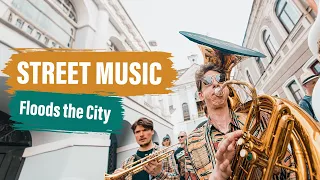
<point x="270" y="43"/>
<point x="185" y="110"/>
<point x="249" y="77"/>
<point x="113" y="47"/>
<point x="51" y="24"/>
<point x="68" y="9"/>
<point x="260" y="65"/>
<point x="288" y="14"/>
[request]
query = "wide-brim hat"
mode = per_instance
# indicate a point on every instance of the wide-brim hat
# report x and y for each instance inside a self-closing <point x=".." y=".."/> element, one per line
<point x="307" y="77"/>
<point x="224" y="54"/>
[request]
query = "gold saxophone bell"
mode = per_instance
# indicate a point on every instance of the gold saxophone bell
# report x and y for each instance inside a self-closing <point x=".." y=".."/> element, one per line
<point x="137" y="166"/>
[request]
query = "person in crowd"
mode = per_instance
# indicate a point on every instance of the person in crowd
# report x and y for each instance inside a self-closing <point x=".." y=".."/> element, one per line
<point x="179" y="154"/>
<point x="166" y="141"/>
<point x="308" y="81"/>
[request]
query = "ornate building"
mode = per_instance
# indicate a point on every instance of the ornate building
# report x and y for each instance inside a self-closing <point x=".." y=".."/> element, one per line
<point x="185" y="106"/>
<point x="279" y="29"/>
<point x="79" y="24"/>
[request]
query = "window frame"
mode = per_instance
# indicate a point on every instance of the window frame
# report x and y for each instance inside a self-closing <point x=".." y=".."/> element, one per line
<point x="183" y="111"/>
<point x="312" y="67"/>
<point x="265" y="41"/>
<point x="287" y="91"/>
<point x="287" y="14"/>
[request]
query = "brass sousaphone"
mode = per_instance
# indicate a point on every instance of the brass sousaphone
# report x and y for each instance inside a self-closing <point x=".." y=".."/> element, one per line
<point x="273" y="127"/>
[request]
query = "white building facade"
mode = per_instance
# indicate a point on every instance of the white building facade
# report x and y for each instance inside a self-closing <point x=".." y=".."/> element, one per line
<point x="279" y="29"/>
<point x="78" y="24"/>
<point x="185" y="106"/>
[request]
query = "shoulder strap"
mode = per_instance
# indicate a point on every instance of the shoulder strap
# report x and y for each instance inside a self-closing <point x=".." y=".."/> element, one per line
<point x="310" y="107"/>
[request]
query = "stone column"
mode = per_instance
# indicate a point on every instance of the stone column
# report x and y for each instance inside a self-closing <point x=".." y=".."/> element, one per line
<point x="101" y="36"/>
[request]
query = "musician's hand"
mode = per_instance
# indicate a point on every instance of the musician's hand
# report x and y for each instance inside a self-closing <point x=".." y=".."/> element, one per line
<point x="118" y="170"/>
<point x="224" y="156"/>
<point x="153" y="168"/>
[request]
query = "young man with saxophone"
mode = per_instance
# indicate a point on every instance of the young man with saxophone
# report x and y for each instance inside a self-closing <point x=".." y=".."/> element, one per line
<point x="166" y="169"/>
<point x="210" y="149"/>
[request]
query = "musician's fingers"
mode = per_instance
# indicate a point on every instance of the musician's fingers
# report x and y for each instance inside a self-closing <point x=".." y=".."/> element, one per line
<point x="147" y="168"/>
<point x="222" y="149"/>
<point x="153" y="163"/>
<point x="229" y="171"/>
<point x="223" y="167"/>
<point x="232" y="146"/>
<point x="220" y="153"/>
<point x="236" y="135"/>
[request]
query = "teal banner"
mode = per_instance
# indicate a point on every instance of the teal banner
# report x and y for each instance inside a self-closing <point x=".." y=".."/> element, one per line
<point x="77" y="113"/>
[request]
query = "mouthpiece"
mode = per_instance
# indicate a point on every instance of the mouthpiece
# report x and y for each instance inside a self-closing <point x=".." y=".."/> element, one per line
<point x="218" y="91"/>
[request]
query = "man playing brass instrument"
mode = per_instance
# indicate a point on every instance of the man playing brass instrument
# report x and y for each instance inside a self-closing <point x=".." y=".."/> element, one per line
<point x="167" y="169"/>
<point x="210" y="148"/>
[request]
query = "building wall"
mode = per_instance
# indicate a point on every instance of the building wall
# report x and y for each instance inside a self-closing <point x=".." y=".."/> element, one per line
<point x="292" y="51"/>
<point x="100" y="24"/>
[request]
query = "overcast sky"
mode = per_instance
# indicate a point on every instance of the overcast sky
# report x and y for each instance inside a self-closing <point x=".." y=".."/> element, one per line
<point x="161" y="20"/>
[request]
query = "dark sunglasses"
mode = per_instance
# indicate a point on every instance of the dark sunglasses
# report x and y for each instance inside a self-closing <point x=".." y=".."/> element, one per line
<point x="180" y="137"/>
<point x="208" y="80"/>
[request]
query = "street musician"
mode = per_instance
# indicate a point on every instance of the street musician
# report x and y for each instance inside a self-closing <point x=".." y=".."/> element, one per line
<point x="210" y="148"/>
<point x="165" y="169"/>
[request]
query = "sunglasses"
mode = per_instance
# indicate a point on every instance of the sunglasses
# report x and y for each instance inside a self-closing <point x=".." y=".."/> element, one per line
<point x="208" y="80"/>
<point x="180" y="137"/>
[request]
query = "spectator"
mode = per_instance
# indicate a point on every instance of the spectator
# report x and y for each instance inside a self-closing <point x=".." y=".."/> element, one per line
<point x="308" y="80"/>
<point x="166" y="142"/>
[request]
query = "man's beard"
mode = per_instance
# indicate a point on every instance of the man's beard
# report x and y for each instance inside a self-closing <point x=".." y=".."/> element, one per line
<point x="145" y="144"/>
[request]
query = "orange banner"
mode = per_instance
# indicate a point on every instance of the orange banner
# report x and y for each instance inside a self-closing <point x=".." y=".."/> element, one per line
<point x="89" y="72"/>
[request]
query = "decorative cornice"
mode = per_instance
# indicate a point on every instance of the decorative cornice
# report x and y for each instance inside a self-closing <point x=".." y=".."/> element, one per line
<point x="127" y="23"/>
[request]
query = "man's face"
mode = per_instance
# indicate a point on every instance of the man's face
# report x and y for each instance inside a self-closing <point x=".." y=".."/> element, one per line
<point x="143" y="135"/>
<point x="207" y="93"/>
<point x="182" y="137"/>
<point x="310" y="85"/>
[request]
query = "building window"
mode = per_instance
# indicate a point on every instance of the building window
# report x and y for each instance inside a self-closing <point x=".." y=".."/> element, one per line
<point x="315" y="67"/>
<point x="46" y="41"/>
<point x="10" y="17"/>
<point x="295" y="91"/>
<point x="29" y="29"/>
<point x="270" y="43"/>
<point x="200" y="108"/>
<point x="185" y="110"/>
<point x="113" y="47"/>
<point x="249" y="77"/>
<point x="19" y="23"/>
<point x="38" y="36"/>
<point x="260" y="65"/>
<point x="288" y="14"/>
<point x="44" y="16"/>
<point x="68" y="8"/>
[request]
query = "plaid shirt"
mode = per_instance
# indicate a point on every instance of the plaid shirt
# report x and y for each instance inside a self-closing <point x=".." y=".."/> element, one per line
<point x="202" y="145"/>
<point x="169" y="167"/>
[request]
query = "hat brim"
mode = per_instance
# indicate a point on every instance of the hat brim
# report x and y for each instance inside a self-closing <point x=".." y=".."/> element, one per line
<point x="309" y="79"/>
<point x="223" y="46"/>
